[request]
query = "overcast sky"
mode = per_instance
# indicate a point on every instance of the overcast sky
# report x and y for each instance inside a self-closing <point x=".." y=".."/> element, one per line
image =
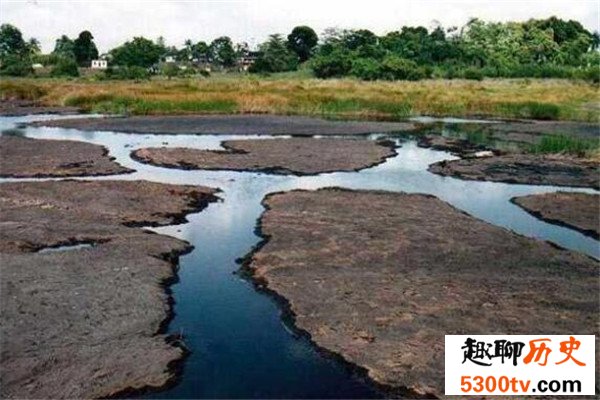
<point x="113" y="22"/>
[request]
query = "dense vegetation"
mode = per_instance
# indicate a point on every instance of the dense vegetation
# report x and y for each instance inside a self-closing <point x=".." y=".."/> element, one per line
<point x="536" y="48"/>
<point x="546" y="48"/>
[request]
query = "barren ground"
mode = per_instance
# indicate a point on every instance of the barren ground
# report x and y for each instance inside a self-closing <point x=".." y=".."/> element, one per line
<point x="22" y="157"/>
<point x="579" y="211"/>
<point x="525" y="169"/>
<point x="380" y="278"/>
<point x="283" y="156"/>
<point x="87" y="322"/>
<point x="230" y="125"/>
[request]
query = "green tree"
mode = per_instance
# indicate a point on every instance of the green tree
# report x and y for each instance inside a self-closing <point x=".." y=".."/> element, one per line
<point x="222" y="52"/>
<point x="64" y="47"/>
<point x="302" y="40"/>
<point x="139" y="52"/>
<point x="354" y="39"/>
<point x="11" y="41"/>
<point x="275" y="56"/>
<point x="33" y="46"/>
<point x="170" y="70"/>
<point x="200" y="50"/>
<point x="84" y="49"/>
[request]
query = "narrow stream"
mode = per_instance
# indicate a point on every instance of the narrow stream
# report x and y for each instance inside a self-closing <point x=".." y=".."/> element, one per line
<point x="241" y="346"/>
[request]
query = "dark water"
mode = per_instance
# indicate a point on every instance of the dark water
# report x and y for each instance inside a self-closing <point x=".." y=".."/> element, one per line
<point x="241" y="347"/>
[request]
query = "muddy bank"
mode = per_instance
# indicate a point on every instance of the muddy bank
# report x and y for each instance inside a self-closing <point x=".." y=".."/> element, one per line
<point x="21" y="157"/>
<point x="380" y="278"/>
<point x="230" y="125"/>
<point x="524" y="169"/>
<point x="457" y="146"/>
<point x="19" y="108"/>
<point x="579" y="211"/>
<point x="528" y="131"/>
<point x="278" y="156"/>
<point x="83" y="322"/>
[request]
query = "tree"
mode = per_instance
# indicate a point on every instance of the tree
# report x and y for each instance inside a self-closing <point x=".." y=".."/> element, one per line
<point x="355" y="39"/>
<point x="185" y="54"/>
<point x="33" y="46"/>
<point x="302" y="41"/>
<point x="200" y="50"/>
<point x="222" y="52"/>
<point x="11" y="41"/>
<point x="275" y="56"/>
<point x="139" y="52"/>
<point x="170" y="70"/>
<point x="64" y="47"/>
<point x="242" y="49"/>
<point x="84" y="49"/>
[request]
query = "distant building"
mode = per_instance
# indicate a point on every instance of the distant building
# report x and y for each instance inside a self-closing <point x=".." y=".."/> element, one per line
<point x="246" y="60"/>
<point x="99" y="64"/>
<point x="169" y="59"/>
<point x="37" y="66"/>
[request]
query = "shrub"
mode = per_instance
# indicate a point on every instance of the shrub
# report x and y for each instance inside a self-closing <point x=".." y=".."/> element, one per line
<point x="136" y="73"/>
<point x="15" y="65"/>
<point x="394" y="67"/>
<point x="366" y="69"/>
<point x="473" y="74"/>
<point x="65" y="67"/>
<point x="591" y="74"/>
<point x="169" y="70"/>
<point x="336" y="63"/>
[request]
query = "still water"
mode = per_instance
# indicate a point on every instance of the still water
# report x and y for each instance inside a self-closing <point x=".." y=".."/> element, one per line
<point x="241" y="346"/>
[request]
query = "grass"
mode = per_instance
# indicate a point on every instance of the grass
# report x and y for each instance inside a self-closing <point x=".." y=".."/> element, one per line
<point x="554" y="144"/>
<point x="298" y="93"/>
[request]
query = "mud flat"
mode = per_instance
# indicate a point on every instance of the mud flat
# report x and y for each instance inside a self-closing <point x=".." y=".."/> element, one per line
<point x="230" y="125"/>
<point x="19" y="108"/>
<point x="456" y="146"/>
<point x="86" y="319"/>
<point x="21" y="157"/>
<point x="299" y="156"/>
<point x="524" y="169"/>
<point x="579" y="211"/>
<point x="531" y="131"/>
<point x="379" y="278"/>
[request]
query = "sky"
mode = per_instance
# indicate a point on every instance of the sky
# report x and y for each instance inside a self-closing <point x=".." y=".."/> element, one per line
<point x="113" y="22"/>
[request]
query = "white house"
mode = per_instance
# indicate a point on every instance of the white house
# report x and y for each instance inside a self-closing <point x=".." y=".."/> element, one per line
<point x="99" y="64"/>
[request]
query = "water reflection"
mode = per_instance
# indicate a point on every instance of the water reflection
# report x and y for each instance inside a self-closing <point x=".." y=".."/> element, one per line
<point x="241" y="347"/>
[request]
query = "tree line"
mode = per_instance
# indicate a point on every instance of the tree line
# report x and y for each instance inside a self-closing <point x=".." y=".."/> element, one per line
<point x="549" y="47"/>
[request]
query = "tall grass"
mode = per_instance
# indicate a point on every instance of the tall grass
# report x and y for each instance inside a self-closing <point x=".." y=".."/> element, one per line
<point x="530" y="110"/>
<point x="21" y="90"/>
<point x="335" y="98"/>
<point x="555" y="144"/>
